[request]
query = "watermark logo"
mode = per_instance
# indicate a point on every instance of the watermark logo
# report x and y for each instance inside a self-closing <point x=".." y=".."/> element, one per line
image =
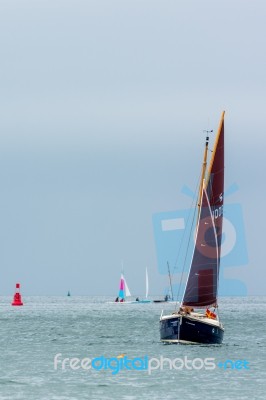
<point x="237" y="364"/>
<point x="172" y="231"/>
<point x="113" y="364"/>
<point x="149" y="365"/>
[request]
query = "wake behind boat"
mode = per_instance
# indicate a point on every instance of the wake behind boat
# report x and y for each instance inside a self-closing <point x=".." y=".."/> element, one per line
<point x="186" y="325"/>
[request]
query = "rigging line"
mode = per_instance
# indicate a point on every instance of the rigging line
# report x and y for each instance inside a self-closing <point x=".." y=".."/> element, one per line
<point x="186" y="226"/>
<point x="184" y="232"/>
<point x="194" y="200"/>
<point x="183" y="269"/>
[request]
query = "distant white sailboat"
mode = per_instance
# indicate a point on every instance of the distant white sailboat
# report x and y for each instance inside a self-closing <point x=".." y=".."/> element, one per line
<point x="146" y="300"/>
<point x="147" y="283"/>
<point x="167" y="297"/>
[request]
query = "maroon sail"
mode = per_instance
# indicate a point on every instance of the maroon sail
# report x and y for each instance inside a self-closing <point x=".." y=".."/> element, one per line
<point x="215" y="184"/>
<point x="202" y="283"/>
<point x="201" y="288"/>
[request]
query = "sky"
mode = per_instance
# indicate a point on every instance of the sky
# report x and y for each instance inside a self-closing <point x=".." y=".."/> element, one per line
<point x="103" y="105"/>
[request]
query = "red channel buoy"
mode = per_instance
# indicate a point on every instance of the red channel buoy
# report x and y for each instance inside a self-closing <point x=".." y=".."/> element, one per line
<point x="17" y="297"/>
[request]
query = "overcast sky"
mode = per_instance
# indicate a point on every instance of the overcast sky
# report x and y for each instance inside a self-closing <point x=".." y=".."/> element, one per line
<point x="103" y="104"/>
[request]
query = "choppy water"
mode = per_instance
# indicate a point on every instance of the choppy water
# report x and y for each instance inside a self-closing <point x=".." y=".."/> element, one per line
<point x="32" y="335"/>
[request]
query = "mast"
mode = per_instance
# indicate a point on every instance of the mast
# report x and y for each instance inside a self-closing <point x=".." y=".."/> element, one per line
<point x="170" y="280"/>
<point x="204" y="166"/>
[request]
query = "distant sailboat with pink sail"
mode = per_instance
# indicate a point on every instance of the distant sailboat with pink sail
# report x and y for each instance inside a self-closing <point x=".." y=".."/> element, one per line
<point x="124" y="291"/>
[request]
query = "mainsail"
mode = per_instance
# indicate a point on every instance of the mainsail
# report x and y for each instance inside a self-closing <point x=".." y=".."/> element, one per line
<point x="215" y="183"/>
<point x="202" y="283"/>
<point x="147" y="284"/>
<point x="127" y="291"/>
<point x="201" y="288"/>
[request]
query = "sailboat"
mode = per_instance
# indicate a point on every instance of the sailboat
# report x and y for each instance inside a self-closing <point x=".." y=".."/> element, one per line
<point x="146" y="300"/>
<point x="185" y="325"/>
<point x="167" y="297"/>
<point x="124" y="291"/>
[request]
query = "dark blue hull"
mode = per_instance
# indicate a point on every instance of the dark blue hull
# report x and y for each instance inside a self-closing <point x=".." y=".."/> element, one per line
<point x="185" y="329"/>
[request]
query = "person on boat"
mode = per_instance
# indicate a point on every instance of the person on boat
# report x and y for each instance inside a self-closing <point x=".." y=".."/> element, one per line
<point x="117" y="300"/>
<point x="122" y="300"/>
<point x="166" y="297"/>
<point x="187" y="309"/>
<point x="137" y="299"/>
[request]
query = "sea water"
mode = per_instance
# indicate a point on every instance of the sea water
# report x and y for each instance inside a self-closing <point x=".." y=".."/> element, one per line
<point x="32" y="336"/>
